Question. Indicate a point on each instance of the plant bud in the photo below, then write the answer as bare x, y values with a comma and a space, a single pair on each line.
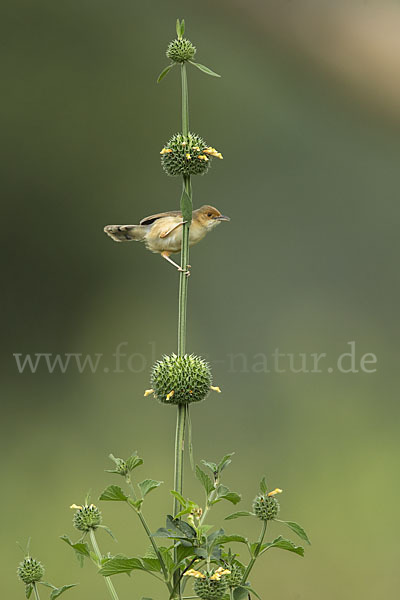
180, 50
187, 155
86, 517
30, 570
181, 379
210, 589
266, 507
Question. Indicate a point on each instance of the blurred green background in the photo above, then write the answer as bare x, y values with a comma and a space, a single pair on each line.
307, 118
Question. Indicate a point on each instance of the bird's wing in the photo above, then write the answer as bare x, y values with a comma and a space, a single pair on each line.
149, 220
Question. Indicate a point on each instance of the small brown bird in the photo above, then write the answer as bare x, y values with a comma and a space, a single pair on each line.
163, 232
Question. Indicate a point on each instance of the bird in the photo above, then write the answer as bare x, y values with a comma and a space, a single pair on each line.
162, 232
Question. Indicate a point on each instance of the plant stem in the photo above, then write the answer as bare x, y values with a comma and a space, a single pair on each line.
96, 549
148, 532
182, 313
35, 591
256, 552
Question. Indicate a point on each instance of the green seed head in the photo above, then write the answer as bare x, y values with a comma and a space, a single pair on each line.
266, 507
236, 575
180, 50
187, 155
30, 570
181, 379
210, 589
86, 517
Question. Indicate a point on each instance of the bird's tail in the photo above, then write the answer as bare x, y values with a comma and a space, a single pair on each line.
126, 233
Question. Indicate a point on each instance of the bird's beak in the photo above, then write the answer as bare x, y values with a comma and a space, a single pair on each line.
222, 218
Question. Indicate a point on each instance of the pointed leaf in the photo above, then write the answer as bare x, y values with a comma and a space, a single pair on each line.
204, 69
110, 533
178, 28
204, 480
81, 549
179, 497
121, 564
164, 72
57, 592
114, 494
237, 515
284, 544
224, 462
147, 485
226, 539
182, 27
28, 590
297, 529
151, 564
211, 465
263, 486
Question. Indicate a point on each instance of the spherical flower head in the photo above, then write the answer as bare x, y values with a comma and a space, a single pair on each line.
181, 379
266, 507
234, 579
187, 155
30, 570
180, 50
210, 587
86, 517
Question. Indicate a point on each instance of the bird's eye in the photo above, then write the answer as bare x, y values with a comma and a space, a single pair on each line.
209, 215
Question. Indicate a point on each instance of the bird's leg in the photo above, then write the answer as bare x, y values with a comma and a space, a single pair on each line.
166, 254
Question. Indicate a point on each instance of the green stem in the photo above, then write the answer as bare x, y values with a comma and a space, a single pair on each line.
96, 549
256, 552
182, 314
148, 532
35, 591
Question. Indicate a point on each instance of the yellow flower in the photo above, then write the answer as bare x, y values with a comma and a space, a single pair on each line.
76, 507
169, 396
195, 574
274, 492
165, 150
215, 388
148, 392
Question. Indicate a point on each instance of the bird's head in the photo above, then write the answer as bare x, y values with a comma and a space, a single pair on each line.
209, 217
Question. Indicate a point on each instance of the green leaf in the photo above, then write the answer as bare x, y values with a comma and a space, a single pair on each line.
121, 564
147, 485
135, 503
151, 564
226, 539
263, 486
297, 529
180, 498
224, 462
113, 494
211, 465
284, 544
178, 28
241, 593
186, 206
110, 533
134, 461
57, 592
237, 515
232, 497
204, 480
204, 69
165, 72
28, 590
182, 27
81, 548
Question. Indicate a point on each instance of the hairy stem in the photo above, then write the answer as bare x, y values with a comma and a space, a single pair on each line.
96, 549
35, 591
256, 552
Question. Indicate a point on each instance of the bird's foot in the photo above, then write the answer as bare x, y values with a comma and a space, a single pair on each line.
185, 271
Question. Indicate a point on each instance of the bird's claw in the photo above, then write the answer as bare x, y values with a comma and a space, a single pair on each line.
185, 271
